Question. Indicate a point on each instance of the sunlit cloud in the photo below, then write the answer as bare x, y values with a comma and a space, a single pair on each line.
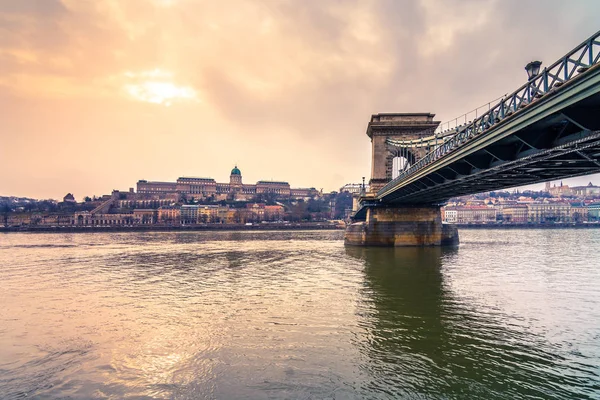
165, 3
157, 87
265, 76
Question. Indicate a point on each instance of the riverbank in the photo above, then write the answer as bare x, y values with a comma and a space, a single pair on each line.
163, 228
528, 226
260, 227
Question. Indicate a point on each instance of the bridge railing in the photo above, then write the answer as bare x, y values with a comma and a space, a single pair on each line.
577, 61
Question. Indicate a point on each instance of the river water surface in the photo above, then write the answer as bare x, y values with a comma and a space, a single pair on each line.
269, 315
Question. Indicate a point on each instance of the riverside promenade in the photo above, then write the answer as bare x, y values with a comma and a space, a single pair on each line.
176, 228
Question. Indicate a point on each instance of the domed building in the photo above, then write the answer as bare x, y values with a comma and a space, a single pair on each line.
236, 176
208, 188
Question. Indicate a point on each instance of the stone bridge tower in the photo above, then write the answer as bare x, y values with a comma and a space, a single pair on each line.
403, 126
390, 224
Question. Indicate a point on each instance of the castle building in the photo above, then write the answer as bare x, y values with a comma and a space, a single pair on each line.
202, 188
560, 190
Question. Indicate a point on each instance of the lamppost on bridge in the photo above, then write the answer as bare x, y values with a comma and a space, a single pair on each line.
533, 69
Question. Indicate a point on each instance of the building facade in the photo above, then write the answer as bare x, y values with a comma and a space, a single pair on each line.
515, 214
594, 212
354, 188
450, 215
100, 219
189, 214
584, 191
205, 188
470, 215
549, 212
169, 215
561, 190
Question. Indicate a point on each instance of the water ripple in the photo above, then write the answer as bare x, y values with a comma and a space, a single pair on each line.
296, 315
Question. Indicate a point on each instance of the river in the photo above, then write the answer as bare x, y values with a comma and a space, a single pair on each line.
269, 315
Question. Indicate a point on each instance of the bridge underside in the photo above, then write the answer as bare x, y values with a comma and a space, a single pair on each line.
560, 144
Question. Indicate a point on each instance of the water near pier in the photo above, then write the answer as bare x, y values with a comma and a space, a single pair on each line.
257, 315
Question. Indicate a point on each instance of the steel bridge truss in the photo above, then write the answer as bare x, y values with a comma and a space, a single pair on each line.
573, 155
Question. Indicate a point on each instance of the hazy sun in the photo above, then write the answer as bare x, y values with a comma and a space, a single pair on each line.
157, 87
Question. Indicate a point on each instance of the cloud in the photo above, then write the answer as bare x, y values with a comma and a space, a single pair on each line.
270, 77
38, 8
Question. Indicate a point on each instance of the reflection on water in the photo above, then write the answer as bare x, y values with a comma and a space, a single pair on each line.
297, 315
424, 339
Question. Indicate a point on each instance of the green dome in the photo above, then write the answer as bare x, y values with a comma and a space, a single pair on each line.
236, 171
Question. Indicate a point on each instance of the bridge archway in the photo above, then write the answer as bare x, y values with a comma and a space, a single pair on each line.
399, 127
397, 160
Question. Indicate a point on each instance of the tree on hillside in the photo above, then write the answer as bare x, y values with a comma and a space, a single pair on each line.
343, 201
5, 209
269, 199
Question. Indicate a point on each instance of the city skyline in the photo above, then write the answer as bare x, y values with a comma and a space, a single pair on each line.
96, 96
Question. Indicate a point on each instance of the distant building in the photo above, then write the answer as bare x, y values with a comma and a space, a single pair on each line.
589, 190
594, 212
274, 213
147, 200
548, 212
470, 215
204, 214
69, 198
169, 214
281, 189
579, 212
208, 213
145, 216
203, 188
516, 214
189, 214
561, 190
99, 219
19, 219
353, 188
144, 186
450, 215
256, 211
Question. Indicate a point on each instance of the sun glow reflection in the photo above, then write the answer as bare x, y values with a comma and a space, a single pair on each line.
157, 87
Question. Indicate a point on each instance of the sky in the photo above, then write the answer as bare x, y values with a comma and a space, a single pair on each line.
96, 95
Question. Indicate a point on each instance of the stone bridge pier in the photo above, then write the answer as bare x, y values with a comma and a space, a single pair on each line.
390, 224
402, 226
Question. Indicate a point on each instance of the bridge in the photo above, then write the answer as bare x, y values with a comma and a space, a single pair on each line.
549, 128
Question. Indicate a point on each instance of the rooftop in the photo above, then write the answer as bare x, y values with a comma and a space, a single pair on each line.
273, 182
156, 182
194, 178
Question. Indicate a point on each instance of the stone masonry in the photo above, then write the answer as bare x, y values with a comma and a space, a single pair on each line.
402, 226
399, 127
